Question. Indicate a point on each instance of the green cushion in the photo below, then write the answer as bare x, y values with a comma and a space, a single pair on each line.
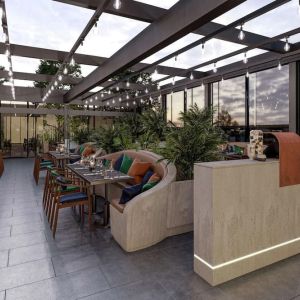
149, 186
46, 163
54, 173
81, 149
70, 189
106, 162
238, 149
126, 164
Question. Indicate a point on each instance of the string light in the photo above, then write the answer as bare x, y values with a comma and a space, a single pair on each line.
128, 84
60, 77
287, 46
7, 53
65, 71
134, 103
192, 76
127, 96
158, 87
10, 73
245, 60
127, 104
146, 91
72, 62
120, 99
136, 93
91, 100
109, 92
215, 69
113, 101
247, 74
279, 66
241, 35
55, 83
202, 48
96, 98
107, 103
117, 4
102, 95
155, 71
117, 88
173, 81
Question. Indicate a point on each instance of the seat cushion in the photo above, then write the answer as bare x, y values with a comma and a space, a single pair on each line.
129, 193
69, 188
63, 180
73, 197
153, 181
120, 207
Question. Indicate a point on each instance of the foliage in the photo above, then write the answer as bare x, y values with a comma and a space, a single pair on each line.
225, 119
78, 129
196, 141
50, 67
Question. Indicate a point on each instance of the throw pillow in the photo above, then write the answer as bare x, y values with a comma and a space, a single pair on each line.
138, 169
126, 164
129, 193
118, 163
153, 181
147, 177
81, 149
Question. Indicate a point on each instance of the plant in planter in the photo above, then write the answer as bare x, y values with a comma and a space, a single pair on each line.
197, 141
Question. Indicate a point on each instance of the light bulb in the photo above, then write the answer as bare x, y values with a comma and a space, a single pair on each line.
52, 88
65, 71
109, 92
127, 84
136, 93
134, 103
247, 74
222, 79
91, 100
7, 53
127, 104
117, 4
158, 87
117, 88
241, 35
96, 98
120, 99
287, 46
142, 100
215, 69
155, 71
72, 62
173, 82
202, 48
192, 76
96, 106
113, 101
127, 96
146, 91
10, 73
279, 66
55, 83
107, 103
86, 102
245, 60
102, 95
60, 77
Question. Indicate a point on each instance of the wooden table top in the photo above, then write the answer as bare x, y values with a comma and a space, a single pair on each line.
97, 176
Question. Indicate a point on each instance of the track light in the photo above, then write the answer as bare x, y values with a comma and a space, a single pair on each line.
245, 60
117, 4
279, 66
287, 46
241, 35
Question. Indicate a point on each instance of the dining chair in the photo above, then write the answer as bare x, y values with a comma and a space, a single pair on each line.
40, 164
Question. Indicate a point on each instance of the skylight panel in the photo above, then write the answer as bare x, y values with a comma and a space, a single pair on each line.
159, 3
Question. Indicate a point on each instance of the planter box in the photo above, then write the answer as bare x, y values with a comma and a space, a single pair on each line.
180, 204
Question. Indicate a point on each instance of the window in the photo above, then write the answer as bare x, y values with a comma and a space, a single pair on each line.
196, 96
269, 98
175, 105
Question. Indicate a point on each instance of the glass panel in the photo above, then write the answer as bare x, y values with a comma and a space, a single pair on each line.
232, 102
163, 4
177, 107
196, 96
169, 107
269, 97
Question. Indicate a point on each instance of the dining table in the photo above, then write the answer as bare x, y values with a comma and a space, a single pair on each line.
60, 159
98, 176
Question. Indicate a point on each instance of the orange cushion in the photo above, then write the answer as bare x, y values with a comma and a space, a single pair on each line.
88, 150
154, 178
138, 169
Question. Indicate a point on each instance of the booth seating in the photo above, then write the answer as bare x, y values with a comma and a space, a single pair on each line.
143, 221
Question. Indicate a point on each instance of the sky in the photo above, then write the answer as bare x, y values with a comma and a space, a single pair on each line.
54, 25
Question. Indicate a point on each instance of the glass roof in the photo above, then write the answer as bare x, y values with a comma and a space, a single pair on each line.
159, 3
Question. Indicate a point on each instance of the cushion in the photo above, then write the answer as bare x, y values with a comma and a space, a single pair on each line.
147, 177
72, 197
89, 150
81, 149
126, 164
138, 169
118, 163
106, 162
129, 193
69, 188
63, 180
46, 163
238, 150
149, 186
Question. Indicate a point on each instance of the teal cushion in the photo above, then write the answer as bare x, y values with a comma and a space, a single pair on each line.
126, 164
149, 186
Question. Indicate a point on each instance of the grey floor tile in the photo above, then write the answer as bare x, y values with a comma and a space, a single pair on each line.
22, 240
2, 295
27, 228
65, 287
3, 258
21, 220
142, 290
26, 211
211, 294
25, 273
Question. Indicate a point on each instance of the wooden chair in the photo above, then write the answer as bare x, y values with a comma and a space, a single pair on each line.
61, 200
40, 164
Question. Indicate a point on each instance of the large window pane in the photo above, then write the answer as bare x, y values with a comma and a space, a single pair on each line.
175, 105
269, 97
196, 96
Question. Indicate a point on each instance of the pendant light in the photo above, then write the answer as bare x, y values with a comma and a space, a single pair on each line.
279, 66
192, 76
287, 46
241, 35
215, 69
245, 60
117, 4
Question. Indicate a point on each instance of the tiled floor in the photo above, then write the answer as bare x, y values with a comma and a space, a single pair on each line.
84, 265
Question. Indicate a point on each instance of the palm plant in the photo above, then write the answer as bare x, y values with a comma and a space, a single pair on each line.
196, 141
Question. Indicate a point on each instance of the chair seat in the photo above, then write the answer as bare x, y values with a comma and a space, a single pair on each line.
115, 203
73, 197
46, 163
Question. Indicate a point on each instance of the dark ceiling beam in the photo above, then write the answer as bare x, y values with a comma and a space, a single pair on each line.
183, 18
55, 55
30, 94
149, 13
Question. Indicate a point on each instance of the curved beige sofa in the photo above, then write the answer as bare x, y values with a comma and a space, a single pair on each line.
142, 222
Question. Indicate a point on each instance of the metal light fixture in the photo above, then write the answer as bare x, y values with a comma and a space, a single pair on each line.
245, 60
215, 69
279, 66
241, 35
287, 46
117, 4
192, 76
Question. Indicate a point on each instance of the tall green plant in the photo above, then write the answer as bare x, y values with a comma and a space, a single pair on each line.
196, 141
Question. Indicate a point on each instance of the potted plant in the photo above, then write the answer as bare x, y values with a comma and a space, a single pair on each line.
197, 140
